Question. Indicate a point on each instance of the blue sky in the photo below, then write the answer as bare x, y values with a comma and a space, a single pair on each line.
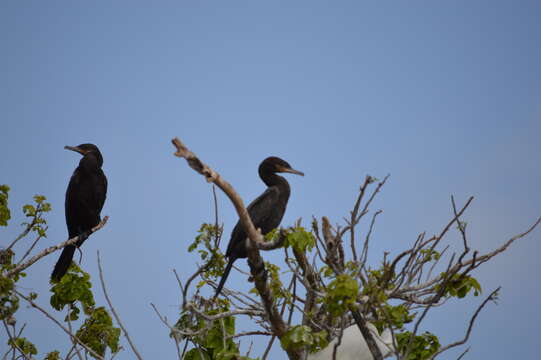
444, 96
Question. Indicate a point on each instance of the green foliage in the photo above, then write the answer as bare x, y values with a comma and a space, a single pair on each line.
98, 332
9, 302
396, 316
5, 214
6, 258
460, 286
341, 294
272, 235
73, 290
326, 271
300, 239
275, 283
211, 337
24, 345
213, 340
75, 286
423, 346
37, 223
301, 335
206, 243
53, 355
373, 288
430, 254
196, 354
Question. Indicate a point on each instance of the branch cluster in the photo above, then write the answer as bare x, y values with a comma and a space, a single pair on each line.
333, 286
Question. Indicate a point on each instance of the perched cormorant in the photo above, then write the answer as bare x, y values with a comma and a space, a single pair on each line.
84, 200
266, 211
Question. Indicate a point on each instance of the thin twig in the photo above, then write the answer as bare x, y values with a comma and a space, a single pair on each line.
73, 341
134, 349
31, 247
463, 353
248, 333
490, 297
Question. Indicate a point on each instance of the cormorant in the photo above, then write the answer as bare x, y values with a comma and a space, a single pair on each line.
84, 200
266, 211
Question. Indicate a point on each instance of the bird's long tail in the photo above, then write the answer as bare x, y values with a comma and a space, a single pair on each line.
224, 276
63, 262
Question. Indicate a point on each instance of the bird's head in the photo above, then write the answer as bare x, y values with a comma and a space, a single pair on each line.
91, 153
274, 164
83, 149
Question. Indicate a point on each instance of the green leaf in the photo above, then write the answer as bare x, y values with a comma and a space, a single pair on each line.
423, 346
196, 354
301, 335
53, 355
5, 213
460, 286
98, 332
74, 287
341, 294
300, 239
9, 302
29, 210
23, 345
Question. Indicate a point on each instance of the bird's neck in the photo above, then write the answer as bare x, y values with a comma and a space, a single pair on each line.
91, 162
272, 179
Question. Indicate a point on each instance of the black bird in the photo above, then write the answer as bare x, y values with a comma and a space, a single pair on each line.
84, 200
266, 211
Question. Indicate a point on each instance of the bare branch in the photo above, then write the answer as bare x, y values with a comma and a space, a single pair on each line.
134, 349
249, 333
463, 353
54, 248
219, 316
490, 297
31, 247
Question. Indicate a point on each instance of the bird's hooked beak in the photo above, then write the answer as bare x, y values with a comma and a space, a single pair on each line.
76, 149
291, 171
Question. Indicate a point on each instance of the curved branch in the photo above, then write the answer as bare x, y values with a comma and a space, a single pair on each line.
255, 262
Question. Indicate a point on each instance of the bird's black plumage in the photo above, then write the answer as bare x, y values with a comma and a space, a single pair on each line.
266, 211
85, 197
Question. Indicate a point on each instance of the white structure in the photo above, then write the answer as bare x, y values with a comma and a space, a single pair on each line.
354, 347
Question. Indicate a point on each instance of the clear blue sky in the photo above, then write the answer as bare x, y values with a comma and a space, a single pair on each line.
444, 96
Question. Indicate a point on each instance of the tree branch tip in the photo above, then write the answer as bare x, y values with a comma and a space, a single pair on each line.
181, 148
